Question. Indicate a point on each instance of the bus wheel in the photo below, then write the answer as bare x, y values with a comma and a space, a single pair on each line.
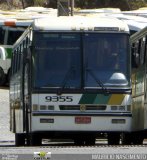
113, 139
2, 77
35, 140
79, 142
137, 139
90, 141
126, 139
19, 139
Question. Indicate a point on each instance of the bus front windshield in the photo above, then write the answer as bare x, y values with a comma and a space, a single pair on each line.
81, 60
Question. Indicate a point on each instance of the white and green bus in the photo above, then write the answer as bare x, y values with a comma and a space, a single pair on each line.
71, 80
10, 31
139, 87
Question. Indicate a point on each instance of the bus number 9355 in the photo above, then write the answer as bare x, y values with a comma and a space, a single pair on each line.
59, 98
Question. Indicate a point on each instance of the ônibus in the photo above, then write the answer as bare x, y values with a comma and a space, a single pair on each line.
139, 87
71, 80
10, 31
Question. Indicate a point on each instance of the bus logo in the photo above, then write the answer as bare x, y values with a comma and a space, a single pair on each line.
82, 108
42, 155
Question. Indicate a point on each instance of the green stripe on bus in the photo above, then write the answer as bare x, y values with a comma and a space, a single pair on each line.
87, 99
111, 99
102, 99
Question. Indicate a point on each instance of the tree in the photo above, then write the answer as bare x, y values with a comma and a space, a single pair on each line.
27, 3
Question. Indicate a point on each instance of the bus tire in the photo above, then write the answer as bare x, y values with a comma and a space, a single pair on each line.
126, 139
35, 140
2, 77
90, 141
113, 139
78, 142
19, 139
137, 139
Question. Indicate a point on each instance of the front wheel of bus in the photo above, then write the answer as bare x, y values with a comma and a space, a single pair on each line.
126, 139
19, 139
90, 141
35, 140
113, 139
2, 77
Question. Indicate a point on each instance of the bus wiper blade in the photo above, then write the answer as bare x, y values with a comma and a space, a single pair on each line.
65, 80
99, 82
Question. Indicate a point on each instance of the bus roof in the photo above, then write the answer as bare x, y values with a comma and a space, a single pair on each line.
29, 13
139, 12
136, 26
100, 10
14, 22
80, 23
138, 34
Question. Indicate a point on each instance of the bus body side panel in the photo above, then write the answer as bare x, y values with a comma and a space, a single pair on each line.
16, 110
138, 107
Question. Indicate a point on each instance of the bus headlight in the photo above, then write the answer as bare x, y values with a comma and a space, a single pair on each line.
51, 107
35, 107
121, 108
113, 108
43, 107
118, 108
128, 107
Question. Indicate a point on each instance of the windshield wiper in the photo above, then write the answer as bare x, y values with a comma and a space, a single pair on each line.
99, 82
65, 80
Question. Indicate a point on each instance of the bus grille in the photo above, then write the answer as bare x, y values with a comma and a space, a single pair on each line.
87, 107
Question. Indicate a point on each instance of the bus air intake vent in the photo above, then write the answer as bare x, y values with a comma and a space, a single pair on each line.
87, 107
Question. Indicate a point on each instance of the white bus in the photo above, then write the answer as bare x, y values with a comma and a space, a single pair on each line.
71, 79
135, 23
10, 31
12, 25
138, 43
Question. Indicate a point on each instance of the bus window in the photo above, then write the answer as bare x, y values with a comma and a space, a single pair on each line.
2, 33
13, 36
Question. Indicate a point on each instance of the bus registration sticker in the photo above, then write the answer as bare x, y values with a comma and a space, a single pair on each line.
82, 120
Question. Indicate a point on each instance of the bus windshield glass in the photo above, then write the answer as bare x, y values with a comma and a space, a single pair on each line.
57, 60
80, 60
9, 35
106, 59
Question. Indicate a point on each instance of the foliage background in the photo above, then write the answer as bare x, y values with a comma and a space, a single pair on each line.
122, 4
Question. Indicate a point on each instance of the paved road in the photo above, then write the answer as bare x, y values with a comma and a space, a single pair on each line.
6, 137
59, 151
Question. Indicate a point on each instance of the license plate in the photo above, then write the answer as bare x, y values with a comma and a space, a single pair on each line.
82, 120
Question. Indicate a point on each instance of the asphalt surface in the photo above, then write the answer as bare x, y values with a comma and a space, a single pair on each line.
6, 137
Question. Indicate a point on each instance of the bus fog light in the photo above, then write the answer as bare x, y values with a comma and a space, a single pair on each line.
118, 121
122, 108
51, 108
43, 107
114, 108
35, 107
46, 120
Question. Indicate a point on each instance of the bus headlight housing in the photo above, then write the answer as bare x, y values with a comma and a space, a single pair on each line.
118, 108
35, 107
121, 108
45, 107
